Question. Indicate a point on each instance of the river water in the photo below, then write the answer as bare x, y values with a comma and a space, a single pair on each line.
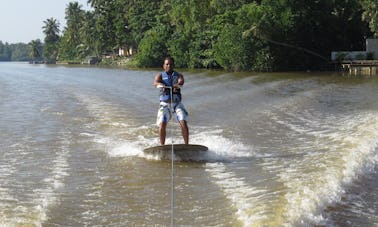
285, 149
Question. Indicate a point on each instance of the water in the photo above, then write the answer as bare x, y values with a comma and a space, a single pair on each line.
285, 149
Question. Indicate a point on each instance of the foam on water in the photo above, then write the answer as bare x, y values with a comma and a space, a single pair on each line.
122, 138
6, 170
335, 150
243, 196
31, 209
48, 195
220, 148
320, 178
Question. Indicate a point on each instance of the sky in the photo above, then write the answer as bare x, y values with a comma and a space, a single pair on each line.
22, 20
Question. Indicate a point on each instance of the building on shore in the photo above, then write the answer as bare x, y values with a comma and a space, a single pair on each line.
358, 62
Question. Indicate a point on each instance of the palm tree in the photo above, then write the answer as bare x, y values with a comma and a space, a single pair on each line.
72, 35
35, 47
51, 30
75, 18
89, 34
95, 3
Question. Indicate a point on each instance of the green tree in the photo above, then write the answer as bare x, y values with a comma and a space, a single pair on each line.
141, 16
19, 52
153, 47
89, 35
14, 52
239, 45
229, 48
105, 27
51, 30
71, 46
318, 28
188, 18
370, 15
233, 34
5, 51
122, 32
35, 48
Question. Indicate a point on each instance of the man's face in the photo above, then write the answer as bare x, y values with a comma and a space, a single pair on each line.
168, 65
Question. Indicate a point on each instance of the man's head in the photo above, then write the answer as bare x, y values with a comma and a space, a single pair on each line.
168, 64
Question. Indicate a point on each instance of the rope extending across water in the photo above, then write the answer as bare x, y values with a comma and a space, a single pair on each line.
172, 165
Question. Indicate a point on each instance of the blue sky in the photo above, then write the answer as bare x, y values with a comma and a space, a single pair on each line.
22, 20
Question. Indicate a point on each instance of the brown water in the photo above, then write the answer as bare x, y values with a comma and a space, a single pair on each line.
285, 149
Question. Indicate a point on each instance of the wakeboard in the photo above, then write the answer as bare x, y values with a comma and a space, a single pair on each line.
182, 152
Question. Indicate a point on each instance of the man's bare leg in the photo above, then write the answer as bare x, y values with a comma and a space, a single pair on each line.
185, 131
162, 132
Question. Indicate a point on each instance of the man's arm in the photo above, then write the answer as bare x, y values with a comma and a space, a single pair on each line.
180, 81
158, 81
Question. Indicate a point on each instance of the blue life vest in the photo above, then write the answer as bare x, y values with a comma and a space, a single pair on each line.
165, 93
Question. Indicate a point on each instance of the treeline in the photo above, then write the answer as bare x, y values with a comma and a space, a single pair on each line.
231, 34
14, 52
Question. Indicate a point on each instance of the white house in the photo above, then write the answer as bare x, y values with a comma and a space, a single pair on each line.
371, 52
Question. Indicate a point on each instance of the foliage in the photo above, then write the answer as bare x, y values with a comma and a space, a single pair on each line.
229, 48
141, 16
14, 52
35, 47
370, 14
89, 33
230, 34
20, 52
5, 52
320, 27
71, 44
153, 47
51, 30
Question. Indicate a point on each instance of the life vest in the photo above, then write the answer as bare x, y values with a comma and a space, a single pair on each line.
165, 93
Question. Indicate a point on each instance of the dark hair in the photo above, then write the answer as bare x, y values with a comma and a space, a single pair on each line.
169, 58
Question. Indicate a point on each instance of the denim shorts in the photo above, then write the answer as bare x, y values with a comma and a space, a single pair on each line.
165, 114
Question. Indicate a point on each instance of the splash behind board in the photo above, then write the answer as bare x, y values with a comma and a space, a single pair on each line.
182, 152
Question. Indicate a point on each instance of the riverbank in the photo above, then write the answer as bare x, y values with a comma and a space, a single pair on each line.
124, 62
